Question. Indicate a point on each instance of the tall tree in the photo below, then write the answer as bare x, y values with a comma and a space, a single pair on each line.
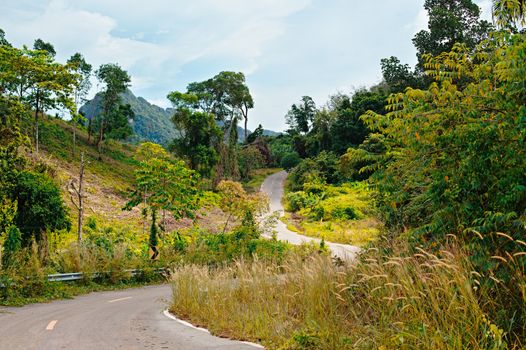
399, 76
77, 190
41, 45
3, 40
82, 69
450, 22
50, 84
115, 81
227, 98
300, 116
200, 134
509, 12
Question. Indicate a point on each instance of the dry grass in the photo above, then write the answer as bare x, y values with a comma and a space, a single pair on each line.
420, 301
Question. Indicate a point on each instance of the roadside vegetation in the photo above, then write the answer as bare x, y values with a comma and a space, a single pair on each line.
437, 154
75, 196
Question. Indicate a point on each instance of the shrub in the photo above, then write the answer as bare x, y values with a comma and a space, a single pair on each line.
290, 160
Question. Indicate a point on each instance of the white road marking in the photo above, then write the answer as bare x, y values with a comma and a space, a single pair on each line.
120, 299
187, 324
51, 325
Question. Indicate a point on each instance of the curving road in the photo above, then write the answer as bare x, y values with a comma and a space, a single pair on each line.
273, 186
130, 319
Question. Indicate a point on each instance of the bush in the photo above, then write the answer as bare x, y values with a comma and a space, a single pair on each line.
40, 207
290, 160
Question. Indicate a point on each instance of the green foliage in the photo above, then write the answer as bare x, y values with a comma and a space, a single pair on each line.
324, 167
216, 249
457, 162
12, 245
163, 184
399, 76
225, 98
279, 147
118, 126
199, 138
509, 12
40, 207
249, 159
290, 160
360, 163
450, 22
255, 134
115, 81
300, 116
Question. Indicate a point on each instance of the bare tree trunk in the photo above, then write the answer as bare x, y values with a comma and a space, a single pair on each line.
36, 133
81, 198
79, 194
37, 142
246, 134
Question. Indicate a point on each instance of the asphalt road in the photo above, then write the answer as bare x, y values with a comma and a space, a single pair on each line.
129, 319
273, 186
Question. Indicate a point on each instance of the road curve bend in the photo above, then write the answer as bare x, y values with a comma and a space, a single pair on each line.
273, 186
129, 319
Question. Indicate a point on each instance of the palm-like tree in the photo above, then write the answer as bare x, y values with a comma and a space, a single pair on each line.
509, 12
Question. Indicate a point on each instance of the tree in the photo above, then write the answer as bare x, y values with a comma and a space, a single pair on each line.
200, 134
348, 130
300, 116
115, 81
509, 12
118, 125
50, 83
250, 158
238, 204
3, 40
163, 183
78, 191
320, 136
450, 22
41, 45
255, 134
458, 166
399, 76
82, 69
40, 208
227, 98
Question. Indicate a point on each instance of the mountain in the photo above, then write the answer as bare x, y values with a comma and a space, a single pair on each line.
152, 123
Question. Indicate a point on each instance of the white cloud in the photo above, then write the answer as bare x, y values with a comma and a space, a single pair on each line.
287, 48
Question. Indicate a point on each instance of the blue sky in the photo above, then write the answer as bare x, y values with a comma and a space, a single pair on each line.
286, 48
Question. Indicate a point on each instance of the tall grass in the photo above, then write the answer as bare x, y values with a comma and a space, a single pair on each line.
418, 301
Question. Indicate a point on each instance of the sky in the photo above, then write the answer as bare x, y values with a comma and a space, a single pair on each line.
286, 48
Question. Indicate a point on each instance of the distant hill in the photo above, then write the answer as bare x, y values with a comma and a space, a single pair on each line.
152, 123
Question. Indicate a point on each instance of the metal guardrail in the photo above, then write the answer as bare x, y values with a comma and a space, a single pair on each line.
77, 276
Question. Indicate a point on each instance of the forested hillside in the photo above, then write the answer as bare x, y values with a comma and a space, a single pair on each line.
151, 123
